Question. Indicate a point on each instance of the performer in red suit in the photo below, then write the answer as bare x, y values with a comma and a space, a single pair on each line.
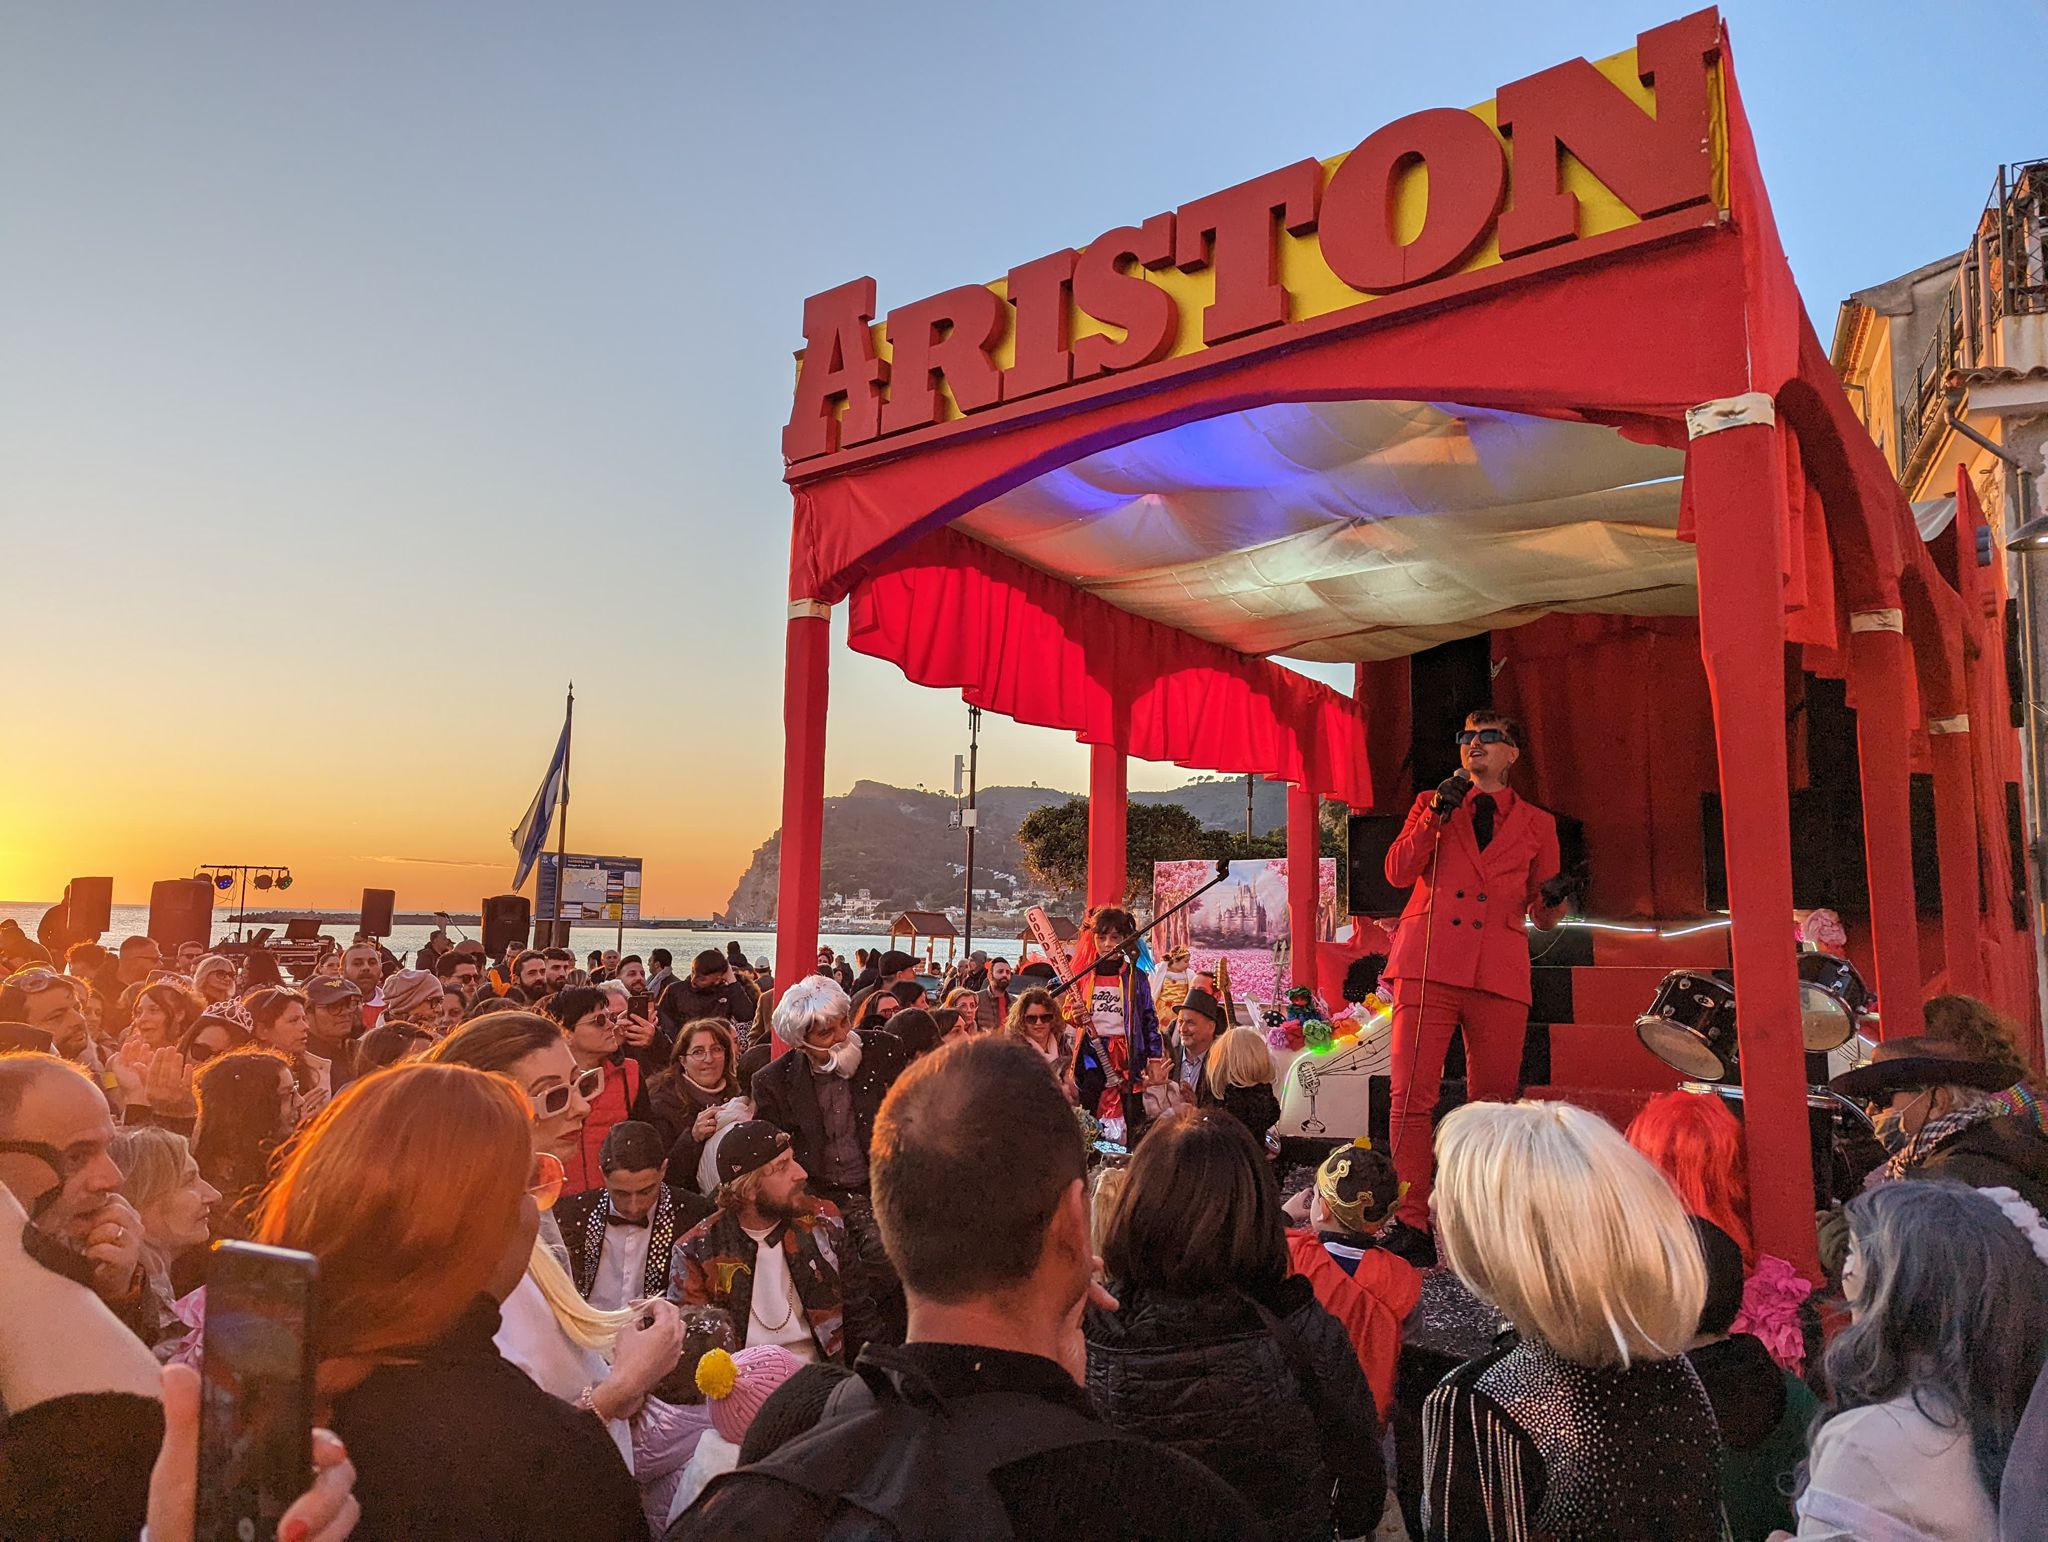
1481, 860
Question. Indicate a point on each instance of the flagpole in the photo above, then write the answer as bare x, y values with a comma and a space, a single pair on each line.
562, 830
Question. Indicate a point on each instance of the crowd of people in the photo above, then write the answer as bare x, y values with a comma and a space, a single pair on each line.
609, 1249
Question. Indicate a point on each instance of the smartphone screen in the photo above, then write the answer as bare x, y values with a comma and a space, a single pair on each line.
637, 1003
256, 1390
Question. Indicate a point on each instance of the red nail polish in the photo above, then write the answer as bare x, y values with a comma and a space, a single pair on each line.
292, 1531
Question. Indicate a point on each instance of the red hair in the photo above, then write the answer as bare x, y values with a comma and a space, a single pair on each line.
1692, 1139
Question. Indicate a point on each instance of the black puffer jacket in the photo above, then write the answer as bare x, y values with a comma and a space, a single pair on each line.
1208, 1377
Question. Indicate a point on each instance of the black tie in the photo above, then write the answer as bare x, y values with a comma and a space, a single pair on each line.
615, 1219
1482, 818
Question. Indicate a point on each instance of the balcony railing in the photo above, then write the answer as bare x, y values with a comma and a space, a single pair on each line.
2004, 273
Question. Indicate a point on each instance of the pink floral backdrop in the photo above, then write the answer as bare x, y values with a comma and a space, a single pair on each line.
1244, 919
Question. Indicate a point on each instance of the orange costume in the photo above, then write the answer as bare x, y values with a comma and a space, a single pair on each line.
1475, 955
1371, 1303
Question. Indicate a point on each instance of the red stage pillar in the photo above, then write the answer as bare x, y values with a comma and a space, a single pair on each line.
1735, 475
1108, 794
1955, 834
1877, 670
808, 651
1303, 853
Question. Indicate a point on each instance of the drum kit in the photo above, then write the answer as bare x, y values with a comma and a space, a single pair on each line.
1691, 1028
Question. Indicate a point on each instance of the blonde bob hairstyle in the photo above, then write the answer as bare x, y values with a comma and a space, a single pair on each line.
1547, 1213
1240, 1059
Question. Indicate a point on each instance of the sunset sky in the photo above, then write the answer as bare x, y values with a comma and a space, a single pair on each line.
375, 368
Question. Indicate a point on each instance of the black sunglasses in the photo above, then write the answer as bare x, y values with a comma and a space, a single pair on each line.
1484, 736
555, 1100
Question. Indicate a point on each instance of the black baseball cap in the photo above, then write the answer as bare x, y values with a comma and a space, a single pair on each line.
327, 991
747, 1146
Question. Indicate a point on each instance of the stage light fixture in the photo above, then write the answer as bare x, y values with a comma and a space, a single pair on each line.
224, 881
284, 880
262, 880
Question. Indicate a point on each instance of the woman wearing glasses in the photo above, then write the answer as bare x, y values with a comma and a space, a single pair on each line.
684, 1097
447, 1437
606, 1362
1481, 860
1035, 1019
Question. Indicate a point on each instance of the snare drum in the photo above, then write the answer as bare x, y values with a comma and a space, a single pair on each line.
1691, 1025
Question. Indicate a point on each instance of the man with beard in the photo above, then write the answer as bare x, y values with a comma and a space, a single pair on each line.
43, 1010
334, 1021
56, 1137
363, 967
771, 1257
994, 1010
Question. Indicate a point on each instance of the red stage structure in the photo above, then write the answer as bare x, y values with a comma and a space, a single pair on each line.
1536, 369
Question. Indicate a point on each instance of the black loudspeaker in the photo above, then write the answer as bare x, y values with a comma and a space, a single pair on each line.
377, 905
507, 920
180, 911
1369, 893
88, 907
1445, 683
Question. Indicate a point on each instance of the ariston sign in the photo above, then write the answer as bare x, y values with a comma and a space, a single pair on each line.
1566, 163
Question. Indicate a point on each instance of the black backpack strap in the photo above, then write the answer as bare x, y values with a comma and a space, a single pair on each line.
891, 1449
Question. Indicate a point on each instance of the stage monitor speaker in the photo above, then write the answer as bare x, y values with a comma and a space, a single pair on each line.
180, 911
377, 905
88, 907
507, 920
1369, 893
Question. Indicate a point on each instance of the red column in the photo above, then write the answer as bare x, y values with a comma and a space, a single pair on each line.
1303, 858
804, 688
1955, 834
1108, 794
1877, 670
1736, 478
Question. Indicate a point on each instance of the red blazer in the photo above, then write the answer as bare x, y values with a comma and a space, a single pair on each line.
1481, 897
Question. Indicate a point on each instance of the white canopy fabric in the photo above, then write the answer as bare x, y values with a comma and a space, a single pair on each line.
1339, 531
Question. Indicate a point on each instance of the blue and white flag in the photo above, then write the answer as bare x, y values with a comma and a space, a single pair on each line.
531, 834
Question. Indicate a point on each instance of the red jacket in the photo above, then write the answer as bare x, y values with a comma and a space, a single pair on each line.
1481, 898
1371, 1304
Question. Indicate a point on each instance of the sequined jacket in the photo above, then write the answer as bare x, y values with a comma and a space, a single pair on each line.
714, 1266
584, 1218
1522, 1445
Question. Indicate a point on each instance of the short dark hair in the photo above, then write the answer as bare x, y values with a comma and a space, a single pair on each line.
895, 961
710, 961
84, 955
137, 939
446, 965
572, 1003
523, 956
908, 992
631, 958
661, 958
974, 1149
1113, 916
631, 1145
560, 956
1199, 1210
1487, 717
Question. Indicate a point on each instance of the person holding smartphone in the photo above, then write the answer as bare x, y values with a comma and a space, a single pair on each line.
449, 1438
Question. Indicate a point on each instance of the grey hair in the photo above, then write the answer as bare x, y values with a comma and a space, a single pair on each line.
1953, 1310
813, 1002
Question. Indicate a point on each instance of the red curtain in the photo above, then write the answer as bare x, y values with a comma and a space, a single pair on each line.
954, 613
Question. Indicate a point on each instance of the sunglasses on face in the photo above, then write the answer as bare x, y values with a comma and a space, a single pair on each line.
555, 1101
545, 1181
1484, 736
1039, 1017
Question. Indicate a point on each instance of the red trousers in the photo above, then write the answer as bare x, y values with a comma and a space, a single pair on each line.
1494, 1028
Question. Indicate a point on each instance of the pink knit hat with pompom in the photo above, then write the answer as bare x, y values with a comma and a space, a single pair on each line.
737, 1385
